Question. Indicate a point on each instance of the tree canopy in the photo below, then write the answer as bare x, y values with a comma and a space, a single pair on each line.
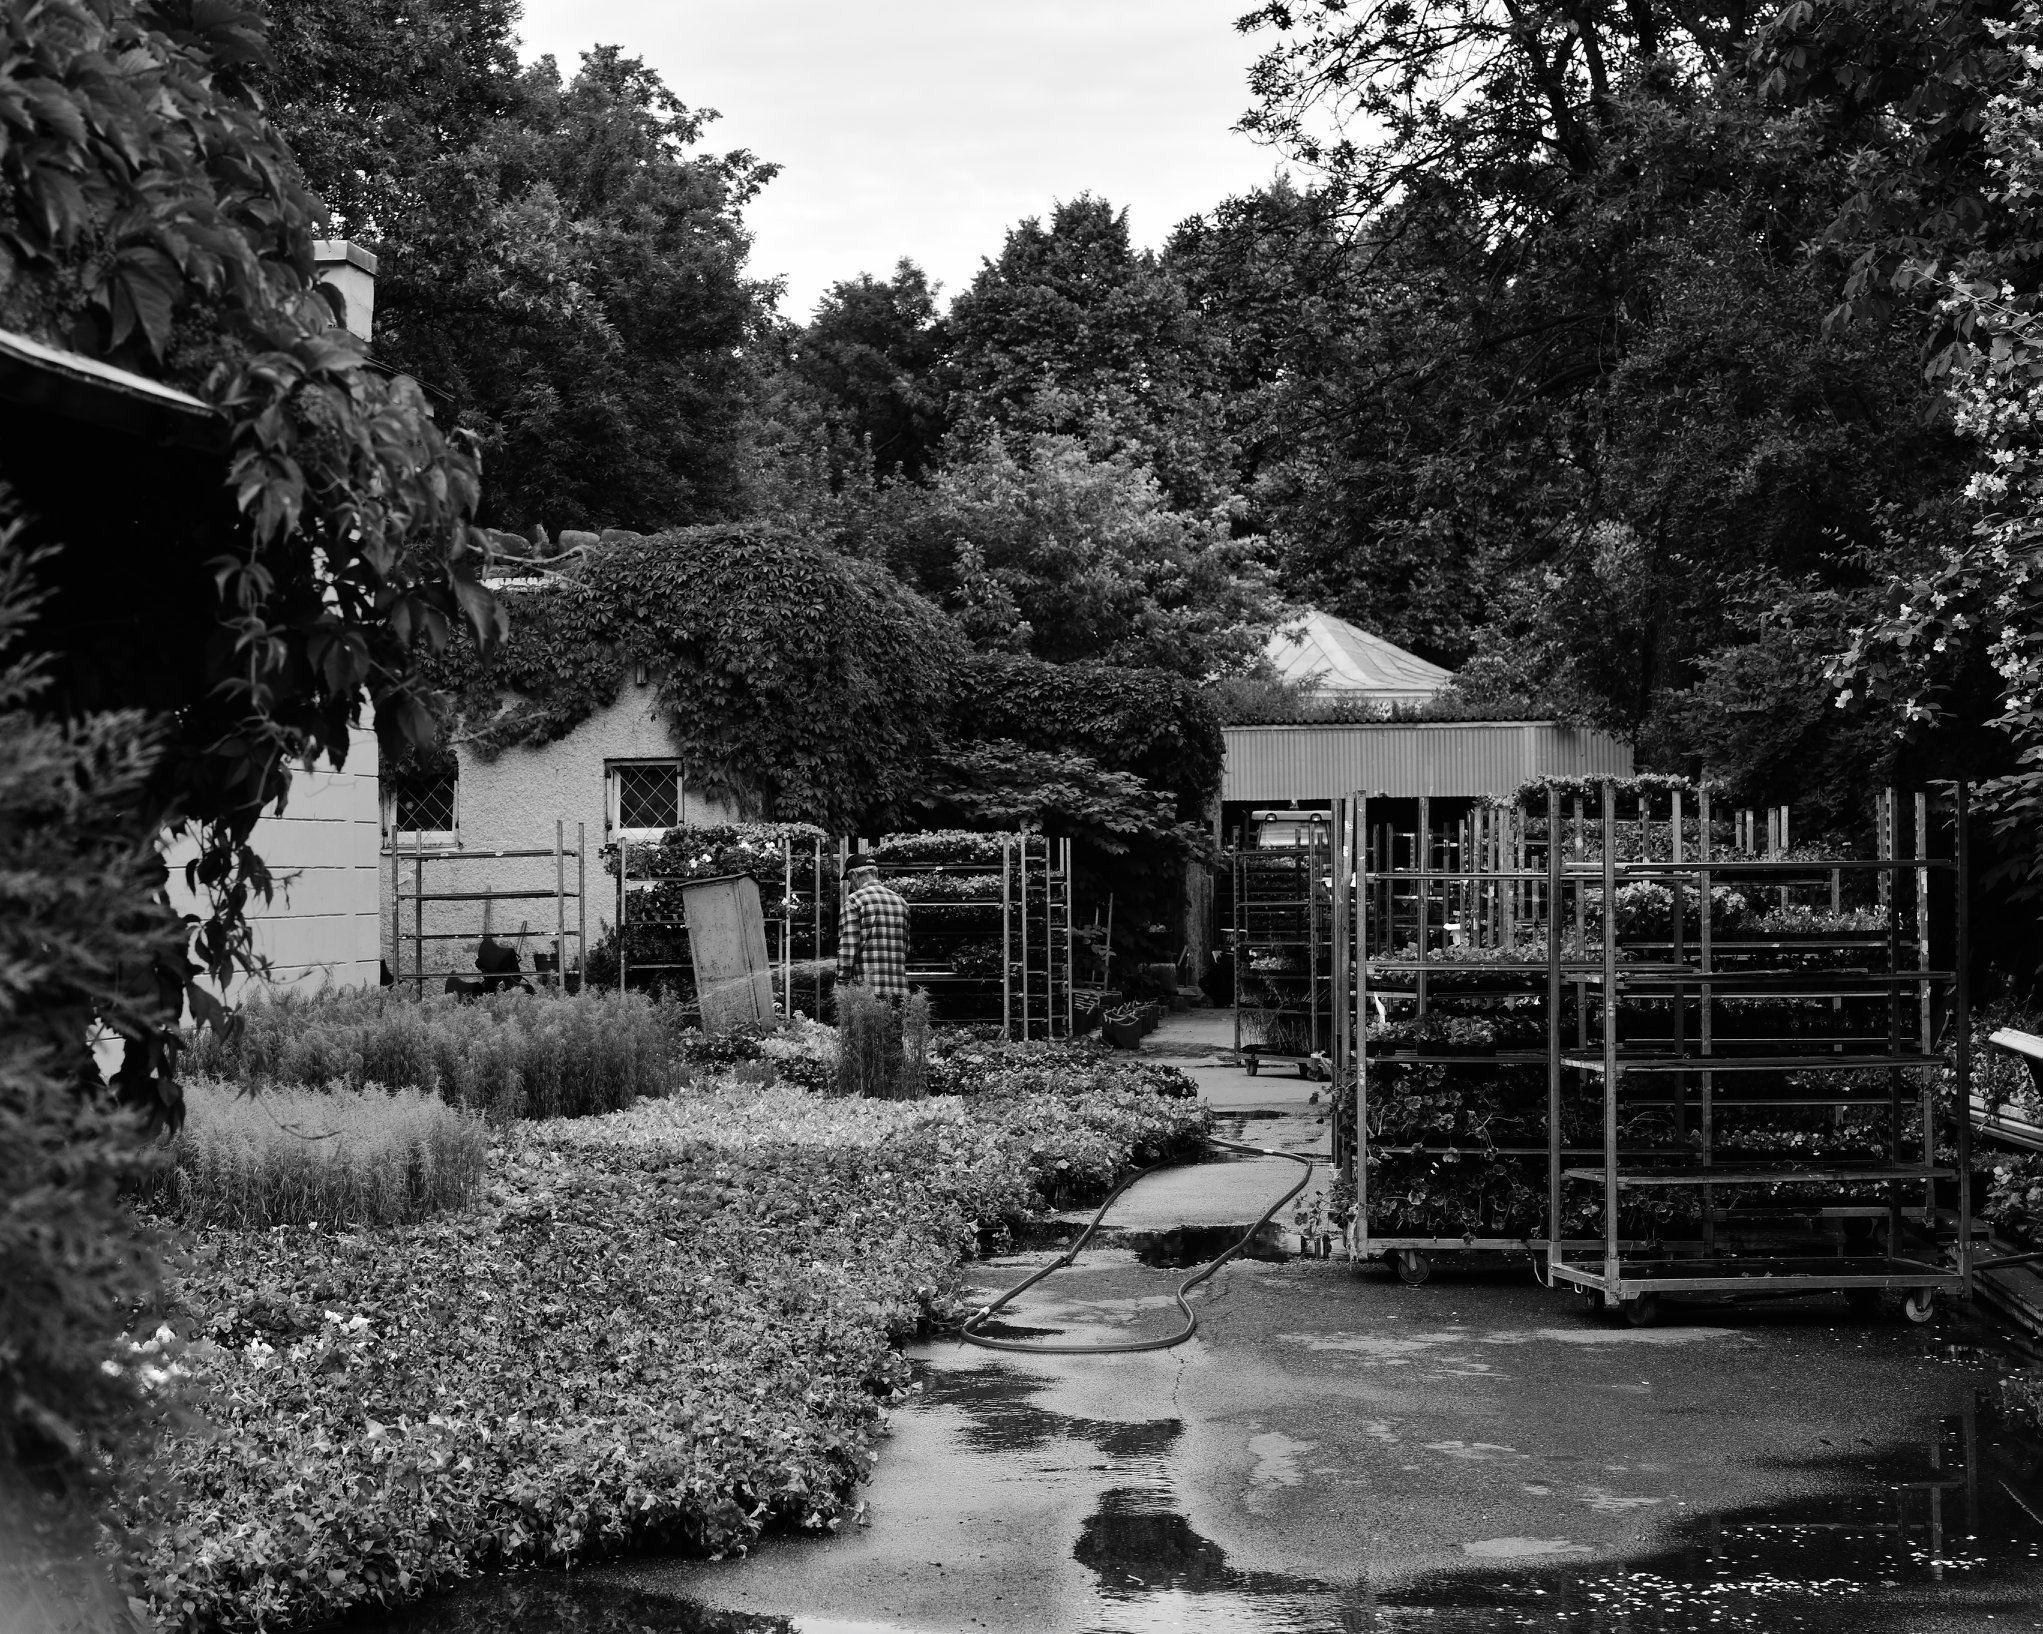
558, 257
874, 355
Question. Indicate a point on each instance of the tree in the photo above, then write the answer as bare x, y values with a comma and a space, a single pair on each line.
1975, 605
151, 218
1073, 332
874, 353
558, 259
1497, 100
1582, 430
1058, 553
1385, 449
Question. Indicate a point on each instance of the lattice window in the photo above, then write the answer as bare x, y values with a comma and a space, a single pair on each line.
647, 795
426, 805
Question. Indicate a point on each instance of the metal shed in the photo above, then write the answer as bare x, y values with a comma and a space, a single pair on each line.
1314, 763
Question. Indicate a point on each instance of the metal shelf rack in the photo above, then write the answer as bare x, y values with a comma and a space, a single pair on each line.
1036, 933
1475, 882
1283, 948
796, 919
1664, 1008
560, 893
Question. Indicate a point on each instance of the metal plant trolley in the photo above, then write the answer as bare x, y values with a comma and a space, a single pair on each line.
560, 893
1452, 911
1036, 997
1283, 946
1833, 1005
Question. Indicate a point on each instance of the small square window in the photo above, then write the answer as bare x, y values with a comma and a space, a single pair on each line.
646, 796
425, 805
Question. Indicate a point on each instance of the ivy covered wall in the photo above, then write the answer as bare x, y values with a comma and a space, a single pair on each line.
792, 680
796, 683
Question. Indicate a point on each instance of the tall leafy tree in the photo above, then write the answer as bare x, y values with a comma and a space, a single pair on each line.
874, 354
1072, 331
152, 218
559, 258
1583, 431
1043, 547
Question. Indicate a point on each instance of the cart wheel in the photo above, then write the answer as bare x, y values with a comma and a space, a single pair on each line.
1920, 1306
1413, 1267
1863, 1301
1640, 1312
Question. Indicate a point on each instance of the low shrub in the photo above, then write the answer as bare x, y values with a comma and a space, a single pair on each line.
963, 1062
669, 1326
295, 1156
506, 1054
2015, 1195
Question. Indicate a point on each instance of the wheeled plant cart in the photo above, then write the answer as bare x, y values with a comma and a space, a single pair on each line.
1283, 947
1795, 1069
1461, 1010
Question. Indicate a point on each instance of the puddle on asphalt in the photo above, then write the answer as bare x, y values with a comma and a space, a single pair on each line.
1177, 1249
1926, 1537
1187, 1246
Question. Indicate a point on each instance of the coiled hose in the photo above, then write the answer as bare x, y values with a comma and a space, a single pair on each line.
986, 1313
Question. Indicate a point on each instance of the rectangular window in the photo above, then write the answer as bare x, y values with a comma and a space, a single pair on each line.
427, 808
645, 796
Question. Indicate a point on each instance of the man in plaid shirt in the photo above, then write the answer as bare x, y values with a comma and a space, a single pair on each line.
872, 948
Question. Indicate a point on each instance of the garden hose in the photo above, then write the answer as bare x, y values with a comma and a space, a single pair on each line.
1127, 1346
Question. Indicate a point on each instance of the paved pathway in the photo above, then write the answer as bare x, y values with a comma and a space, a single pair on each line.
1334, 1450
1281, 1112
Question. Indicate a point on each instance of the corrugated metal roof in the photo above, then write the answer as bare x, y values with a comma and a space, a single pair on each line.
1343, 661
1270, 765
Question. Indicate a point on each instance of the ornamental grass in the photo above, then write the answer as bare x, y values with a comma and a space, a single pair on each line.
882, 1051
506, 1055
279, 1157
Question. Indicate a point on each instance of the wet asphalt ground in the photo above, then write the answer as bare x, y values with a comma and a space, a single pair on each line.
1335, 1450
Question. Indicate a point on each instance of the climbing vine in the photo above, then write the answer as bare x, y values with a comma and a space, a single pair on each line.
792, 679
151, 217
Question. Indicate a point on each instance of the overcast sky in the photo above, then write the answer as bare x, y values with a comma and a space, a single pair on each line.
926, 128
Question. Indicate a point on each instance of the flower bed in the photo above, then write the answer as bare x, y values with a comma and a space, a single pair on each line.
668, 1326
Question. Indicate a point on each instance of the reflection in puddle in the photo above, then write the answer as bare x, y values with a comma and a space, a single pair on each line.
556, 1603
1523, 1549
1142, 1550
1941, 1535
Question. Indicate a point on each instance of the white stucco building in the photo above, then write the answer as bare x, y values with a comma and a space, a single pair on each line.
614, 776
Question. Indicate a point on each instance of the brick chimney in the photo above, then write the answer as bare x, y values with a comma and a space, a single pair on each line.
348, 274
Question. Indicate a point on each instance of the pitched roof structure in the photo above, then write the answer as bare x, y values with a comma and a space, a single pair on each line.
1346, 662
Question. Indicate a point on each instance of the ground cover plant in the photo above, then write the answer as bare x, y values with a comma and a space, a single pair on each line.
305, 1156
670, 1325
506, 1055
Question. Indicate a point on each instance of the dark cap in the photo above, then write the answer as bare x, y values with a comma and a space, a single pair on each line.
860, 859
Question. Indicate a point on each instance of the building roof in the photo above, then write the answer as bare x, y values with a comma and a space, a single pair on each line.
37, 376
1346, 662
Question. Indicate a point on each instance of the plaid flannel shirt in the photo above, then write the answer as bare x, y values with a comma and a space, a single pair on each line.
872, 949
